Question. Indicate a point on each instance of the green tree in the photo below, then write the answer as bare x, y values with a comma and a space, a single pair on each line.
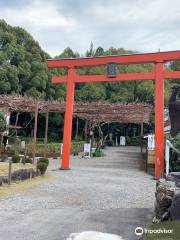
23, 64
2, 122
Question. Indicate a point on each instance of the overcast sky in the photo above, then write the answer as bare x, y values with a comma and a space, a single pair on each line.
142, 25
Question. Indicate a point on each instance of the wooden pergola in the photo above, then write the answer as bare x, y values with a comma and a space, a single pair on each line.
95, 112
105, 112
14, 103
113, 112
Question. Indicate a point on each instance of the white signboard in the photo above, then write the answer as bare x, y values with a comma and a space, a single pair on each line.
87, 149
23, 144
61, 148
151, 142
122, 141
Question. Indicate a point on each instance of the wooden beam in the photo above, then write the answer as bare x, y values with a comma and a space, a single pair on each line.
77, 128
122, 59
46, 134
61, 79
35, 131
120, 77
142, 130
104, 78
86, 130
171, 74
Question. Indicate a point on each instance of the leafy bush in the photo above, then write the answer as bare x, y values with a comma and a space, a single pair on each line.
11, 152
175, 141
98, 153
26, 160
174, 162
2, 122
132, 141
110, 142
16, 158
52, 148
42, 167
174, 157
44, 160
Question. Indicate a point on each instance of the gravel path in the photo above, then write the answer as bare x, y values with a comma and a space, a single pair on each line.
110, 194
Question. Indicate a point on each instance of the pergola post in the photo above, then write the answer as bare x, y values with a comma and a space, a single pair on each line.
116, 141
68, 119
1, 143
46, 134
159, 120
86, 130
77, 129
35, 131
142, 130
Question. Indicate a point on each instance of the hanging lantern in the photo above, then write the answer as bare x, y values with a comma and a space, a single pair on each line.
111, 69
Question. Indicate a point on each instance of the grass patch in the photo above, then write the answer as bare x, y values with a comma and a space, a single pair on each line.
20, 186
15, 166
174, 225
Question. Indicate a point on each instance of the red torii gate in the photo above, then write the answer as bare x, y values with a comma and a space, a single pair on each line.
158, 74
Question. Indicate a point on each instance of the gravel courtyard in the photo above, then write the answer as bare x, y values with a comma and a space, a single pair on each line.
110, 194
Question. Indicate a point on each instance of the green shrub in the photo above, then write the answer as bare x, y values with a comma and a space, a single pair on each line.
52, 148
27, 160
110, 143
44, 160
16, 158
98, 153
132, 141
2, 122
174, 157
42, 167
11, 152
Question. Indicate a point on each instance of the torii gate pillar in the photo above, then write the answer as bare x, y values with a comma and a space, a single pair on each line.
159, 119
158, 75
68, 119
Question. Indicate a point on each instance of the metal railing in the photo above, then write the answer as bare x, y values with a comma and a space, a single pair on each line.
169, 146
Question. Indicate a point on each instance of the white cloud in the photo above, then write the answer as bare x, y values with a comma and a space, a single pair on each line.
38, 13
141, 25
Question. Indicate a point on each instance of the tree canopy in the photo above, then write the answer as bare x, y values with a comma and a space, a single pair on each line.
24, 70
23, 65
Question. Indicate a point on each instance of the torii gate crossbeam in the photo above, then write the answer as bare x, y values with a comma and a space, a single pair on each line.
158, 74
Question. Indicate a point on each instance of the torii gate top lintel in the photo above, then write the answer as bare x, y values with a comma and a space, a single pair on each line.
158, 74
136, 58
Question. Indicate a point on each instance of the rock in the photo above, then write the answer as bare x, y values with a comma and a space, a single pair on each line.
178, 184
90, 235
20, 175
175, 206
5, 179
164, 195
23, 174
